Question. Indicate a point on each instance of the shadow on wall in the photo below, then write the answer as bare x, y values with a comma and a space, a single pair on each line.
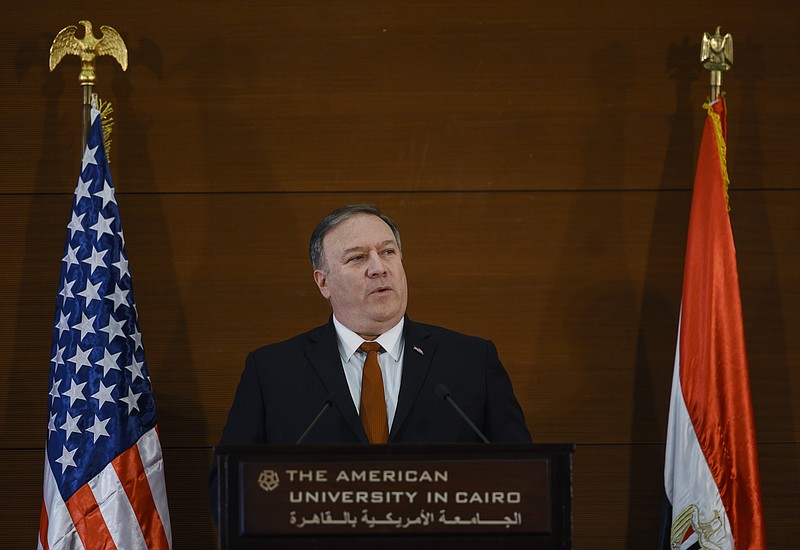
658, 329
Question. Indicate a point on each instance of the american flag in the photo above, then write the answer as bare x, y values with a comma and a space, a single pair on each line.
103, 471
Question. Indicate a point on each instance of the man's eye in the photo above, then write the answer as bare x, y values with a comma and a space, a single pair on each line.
389, 251
356, 258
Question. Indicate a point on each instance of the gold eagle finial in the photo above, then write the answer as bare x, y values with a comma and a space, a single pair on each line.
717, 51
87, 48
716, 54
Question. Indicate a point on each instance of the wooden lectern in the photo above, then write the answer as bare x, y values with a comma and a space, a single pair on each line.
395, 496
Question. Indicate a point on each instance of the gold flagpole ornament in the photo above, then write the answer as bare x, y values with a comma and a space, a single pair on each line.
88, 48
716, 54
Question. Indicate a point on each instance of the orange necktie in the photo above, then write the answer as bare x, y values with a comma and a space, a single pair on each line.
373, 402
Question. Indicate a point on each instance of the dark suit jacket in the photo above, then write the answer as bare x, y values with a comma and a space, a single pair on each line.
285, 385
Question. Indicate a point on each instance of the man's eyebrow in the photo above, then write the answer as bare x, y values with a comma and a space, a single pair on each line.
363, 248
347, 251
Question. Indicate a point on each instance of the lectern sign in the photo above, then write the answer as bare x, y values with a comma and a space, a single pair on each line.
394, 497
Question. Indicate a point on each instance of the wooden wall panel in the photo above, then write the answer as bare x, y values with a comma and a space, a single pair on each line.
780, 479
318, 96
537, 157
21, 496
589, 317
216, 276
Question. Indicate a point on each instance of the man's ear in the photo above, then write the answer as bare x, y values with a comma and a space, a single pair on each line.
322, 283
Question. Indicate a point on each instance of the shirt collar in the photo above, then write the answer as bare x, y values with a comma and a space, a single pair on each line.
349, 341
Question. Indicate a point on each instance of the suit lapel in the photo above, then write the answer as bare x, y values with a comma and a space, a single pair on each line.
323, 353
417, 355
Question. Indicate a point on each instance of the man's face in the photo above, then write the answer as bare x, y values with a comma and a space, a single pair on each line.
363, 276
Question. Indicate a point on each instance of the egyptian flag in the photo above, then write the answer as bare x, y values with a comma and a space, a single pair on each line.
711, 473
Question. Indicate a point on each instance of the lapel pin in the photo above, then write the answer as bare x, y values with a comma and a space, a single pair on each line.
418, 350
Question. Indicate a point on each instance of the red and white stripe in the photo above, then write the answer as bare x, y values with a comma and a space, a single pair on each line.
687, 476
124, 506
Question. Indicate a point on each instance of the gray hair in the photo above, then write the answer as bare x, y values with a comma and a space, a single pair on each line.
336, 217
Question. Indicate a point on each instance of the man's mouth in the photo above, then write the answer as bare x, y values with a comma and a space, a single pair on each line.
381, 290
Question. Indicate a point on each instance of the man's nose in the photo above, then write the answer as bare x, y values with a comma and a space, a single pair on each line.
376, 266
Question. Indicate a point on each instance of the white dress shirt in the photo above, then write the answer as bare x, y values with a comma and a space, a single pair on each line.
390, 360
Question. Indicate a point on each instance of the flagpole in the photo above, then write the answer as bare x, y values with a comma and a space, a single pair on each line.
716, 54
86, 114
88, 48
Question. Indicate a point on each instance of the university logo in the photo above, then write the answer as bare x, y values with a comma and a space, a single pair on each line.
269, 480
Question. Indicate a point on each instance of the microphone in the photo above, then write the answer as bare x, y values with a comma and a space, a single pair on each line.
328, 404
444, 393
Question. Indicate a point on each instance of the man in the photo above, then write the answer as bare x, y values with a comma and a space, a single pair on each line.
389, 398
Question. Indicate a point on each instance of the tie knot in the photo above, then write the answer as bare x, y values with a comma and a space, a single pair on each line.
369, 346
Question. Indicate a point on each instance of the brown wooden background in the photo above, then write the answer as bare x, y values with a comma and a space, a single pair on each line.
537, 156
